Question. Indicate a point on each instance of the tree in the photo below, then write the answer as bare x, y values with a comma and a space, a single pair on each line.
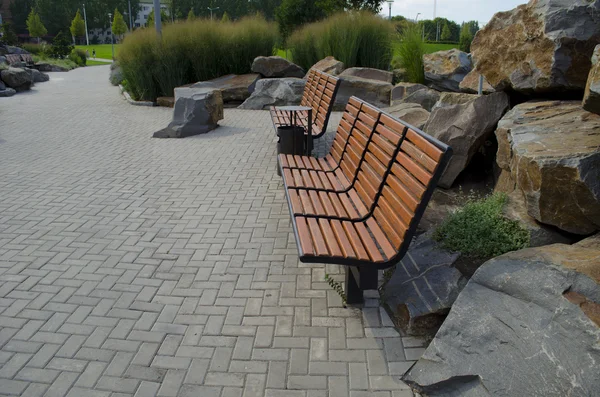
191, 16
119, 27
293, 13
8, 34
20, 11
35, 26
163, 17
446, 33
225, 17
465, 38
77, 26
61, 46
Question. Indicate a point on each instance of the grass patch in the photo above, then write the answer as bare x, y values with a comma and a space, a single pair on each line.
480, 230
410, 54
65, 63
91, 62
358, 39
103, 51
435, 47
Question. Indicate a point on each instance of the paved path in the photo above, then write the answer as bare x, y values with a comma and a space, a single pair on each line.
137, 266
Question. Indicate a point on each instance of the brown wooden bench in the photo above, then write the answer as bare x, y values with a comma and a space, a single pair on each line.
396, 178
319, 94
28, 59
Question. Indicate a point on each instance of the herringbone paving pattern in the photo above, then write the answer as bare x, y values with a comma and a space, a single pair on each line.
137, 266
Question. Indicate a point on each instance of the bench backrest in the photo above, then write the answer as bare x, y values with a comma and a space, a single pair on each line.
319, 94
13, 58
27, 58
410, 182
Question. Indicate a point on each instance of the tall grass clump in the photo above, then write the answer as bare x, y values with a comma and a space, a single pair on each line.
358, 39
191, 51
410, 52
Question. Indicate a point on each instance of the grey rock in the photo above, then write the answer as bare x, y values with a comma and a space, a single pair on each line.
197, 111
369, 73
116, 74
3, 60
2, 85
539, 47
400, 76
423, 287
275, 92
402, 90
7, 92
550, 151
525, 325
15, 50
46, 67
411, 113
275, 66
329, 65
375, 92
233, 87
470, 84
17, 78
465, 127
591, 97
39, 77
444, 70
427, 98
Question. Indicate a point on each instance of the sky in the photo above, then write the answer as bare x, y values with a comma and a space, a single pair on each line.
455, 10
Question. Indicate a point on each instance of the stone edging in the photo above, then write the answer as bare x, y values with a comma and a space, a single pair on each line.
132, 101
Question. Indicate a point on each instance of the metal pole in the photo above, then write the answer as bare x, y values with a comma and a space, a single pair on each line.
390, 4
157, 17
130, 23
112, 37
87, 37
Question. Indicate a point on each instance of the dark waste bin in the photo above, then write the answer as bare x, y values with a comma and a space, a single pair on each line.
290, 141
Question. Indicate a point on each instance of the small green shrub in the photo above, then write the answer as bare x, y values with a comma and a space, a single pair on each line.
480, 230
410, 52
61, 46
192, 51
359, 39
35, 49
78, 56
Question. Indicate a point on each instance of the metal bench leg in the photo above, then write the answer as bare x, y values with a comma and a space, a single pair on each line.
358, 280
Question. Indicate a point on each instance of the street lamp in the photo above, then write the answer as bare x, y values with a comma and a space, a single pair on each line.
417, 18
112, 38
211, 11
157, 17
87, 37
130, 22
390, 6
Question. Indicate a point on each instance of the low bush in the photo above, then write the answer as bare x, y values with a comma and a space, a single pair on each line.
36, 49
359, 39
78, 56
192, 51
410, 51
480, 230
61, 46
65, 63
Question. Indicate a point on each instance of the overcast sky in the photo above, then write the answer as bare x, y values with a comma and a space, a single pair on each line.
456, 10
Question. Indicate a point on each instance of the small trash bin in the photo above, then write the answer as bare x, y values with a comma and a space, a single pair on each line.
290, 141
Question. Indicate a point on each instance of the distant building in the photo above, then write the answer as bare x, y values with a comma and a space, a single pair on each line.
5, 14
146, 7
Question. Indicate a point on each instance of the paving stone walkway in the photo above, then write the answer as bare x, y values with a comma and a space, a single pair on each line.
137, 266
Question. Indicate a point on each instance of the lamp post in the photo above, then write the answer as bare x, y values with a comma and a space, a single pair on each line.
157, 17
87, 37
130, 21
417, 18
112, 38
390, 7
211, 11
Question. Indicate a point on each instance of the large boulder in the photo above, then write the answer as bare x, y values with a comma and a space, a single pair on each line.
275, 92
411, 113
375, 92
591, 97
550, 151
39, 77
233, 87
470, 84
329, 65
275, 66
197, 111
16, 50
464, 124
46, 67
427, 98
542, 46
402, 90
526, 324
6, 91
17, 78
444, 70
369, 73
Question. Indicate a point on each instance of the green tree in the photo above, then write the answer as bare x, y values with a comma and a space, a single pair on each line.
294, 13
446, 33
20, 12
191, 16
163, 17
8, 34
119, 27
465, 38
77, 26
225, 17
35, 26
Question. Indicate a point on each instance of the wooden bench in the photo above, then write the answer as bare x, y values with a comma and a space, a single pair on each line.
28, 59
395, 180
319, 94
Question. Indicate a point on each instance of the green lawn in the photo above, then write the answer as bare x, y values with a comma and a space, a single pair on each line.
91, 62
103, 51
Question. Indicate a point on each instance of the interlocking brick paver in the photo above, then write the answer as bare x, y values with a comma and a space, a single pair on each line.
138, 266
